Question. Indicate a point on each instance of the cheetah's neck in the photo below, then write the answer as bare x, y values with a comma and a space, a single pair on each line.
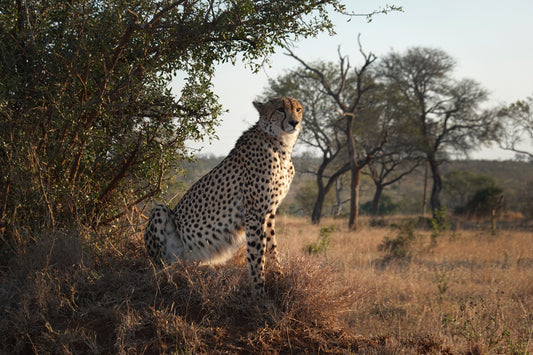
284, 141
288, 141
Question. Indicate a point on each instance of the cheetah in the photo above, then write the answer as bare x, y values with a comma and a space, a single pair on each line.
236, 202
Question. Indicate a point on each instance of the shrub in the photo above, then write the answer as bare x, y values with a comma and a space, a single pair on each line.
482, 202
88, 121
323, 242
386, 207
460, 186
439, 224
402, 246
471, 194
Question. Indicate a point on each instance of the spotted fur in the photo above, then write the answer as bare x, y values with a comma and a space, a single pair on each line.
236, 201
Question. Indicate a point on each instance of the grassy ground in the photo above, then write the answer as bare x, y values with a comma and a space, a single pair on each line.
463, 292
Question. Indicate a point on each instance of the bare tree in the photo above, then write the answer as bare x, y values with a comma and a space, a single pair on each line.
385, 114
388, 169
347, 102
448, 114
321, 131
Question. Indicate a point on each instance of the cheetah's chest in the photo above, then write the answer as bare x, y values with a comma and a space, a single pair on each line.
267, 175
281, 174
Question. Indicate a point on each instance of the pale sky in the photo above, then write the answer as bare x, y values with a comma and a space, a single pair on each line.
491, 41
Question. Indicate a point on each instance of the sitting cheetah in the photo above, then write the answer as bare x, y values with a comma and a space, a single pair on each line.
236, 201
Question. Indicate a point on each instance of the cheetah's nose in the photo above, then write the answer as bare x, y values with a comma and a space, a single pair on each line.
293, 123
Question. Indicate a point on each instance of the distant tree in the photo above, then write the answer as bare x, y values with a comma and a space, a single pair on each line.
306, 196
385, 113
525, 203
88, 122
484, 202
517, 133
460, 186
322, 131
447, 111
347, 92
387, 206
388, 169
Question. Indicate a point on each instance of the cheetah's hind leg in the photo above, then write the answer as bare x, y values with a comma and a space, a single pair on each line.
160, 238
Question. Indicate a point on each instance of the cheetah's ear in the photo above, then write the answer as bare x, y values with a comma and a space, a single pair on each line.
259, 106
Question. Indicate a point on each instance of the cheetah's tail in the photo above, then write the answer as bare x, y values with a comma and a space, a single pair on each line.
160, 228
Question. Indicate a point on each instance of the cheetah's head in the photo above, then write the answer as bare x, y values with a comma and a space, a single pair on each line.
280, 116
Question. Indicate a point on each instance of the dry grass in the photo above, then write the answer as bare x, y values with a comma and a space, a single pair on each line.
472, 293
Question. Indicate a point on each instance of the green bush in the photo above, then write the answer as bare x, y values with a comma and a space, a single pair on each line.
401, 247
439, 224
483, 201
88, 121
323, 242
386, 207
471, 194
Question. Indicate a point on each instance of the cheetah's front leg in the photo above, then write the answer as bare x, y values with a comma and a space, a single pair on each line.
255, 252
271, 243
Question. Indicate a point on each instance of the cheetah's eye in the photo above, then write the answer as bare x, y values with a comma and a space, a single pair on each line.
299, 109
281, 109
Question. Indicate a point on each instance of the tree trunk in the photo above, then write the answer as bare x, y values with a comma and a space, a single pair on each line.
437, 186
377, 199
356, 176
338, 189
323, 190
425, 195
319, 203
354, 199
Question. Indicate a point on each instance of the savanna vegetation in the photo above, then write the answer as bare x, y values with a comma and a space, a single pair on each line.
90, 135
383, 290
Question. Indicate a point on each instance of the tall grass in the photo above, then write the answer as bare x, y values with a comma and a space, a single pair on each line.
471, 293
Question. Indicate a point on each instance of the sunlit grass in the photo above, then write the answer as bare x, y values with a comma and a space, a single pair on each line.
470, 292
